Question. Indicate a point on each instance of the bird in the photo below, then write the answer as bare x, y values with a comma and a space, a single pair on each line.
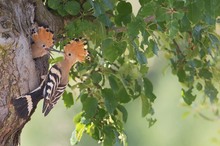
54, 83
42, 42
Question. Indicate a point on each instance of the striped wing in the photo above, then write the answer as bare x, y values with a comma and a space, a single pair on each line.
51, 88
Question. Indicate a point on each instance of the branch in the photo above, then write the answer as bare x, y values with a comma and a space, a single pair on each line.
44, 17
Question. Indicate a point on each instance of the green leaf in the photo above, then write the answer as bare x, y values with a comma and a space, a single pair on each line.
146, 106
72, 7
109, 4
134, 28
187, 96
77, 134
148, 90
141, 57
68, 99
113, 83
162, 15
214, 39
124, 8
196, 63
87, 6
155, 48
96, 77
199, 86
109, 52
90, 106
98, 9
71, 28
147, 10
178, 15
195, 12
121, 47
61, 10
77, 118
110, 100
83, 97
197, 32
109, 138
173, 28
205, 73
211, 91
185, 24
124, 13
54, 4
124, 112
122, 19
105, 20
73, 139
94, 133
112, 50
101, 114
58, 59
119, 89
142, 2
181, 75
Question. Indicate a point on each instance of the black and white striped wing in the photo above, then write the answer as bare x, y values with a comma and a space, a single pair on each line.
51, 86
60, 90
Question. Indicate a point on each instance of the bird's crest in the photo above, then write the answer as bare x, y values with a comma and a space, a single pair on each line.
78, 47
43, 37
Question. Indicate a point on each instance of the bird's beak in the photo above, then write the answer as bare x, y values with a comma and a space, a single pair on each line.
54, 50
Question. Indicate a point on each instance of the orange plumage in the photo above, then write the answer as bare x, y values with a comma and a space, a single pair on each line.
42, 42
78, 48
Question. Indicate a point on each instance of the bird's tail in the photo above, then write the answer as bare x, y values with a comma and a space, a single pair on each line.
25, 104
48, 105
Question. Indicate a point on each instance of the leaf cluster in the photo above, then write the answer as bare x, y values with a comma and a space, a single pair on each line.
121, 44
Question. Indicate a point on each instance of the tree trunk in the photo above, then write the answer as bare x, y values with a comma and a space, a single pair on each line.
19, 73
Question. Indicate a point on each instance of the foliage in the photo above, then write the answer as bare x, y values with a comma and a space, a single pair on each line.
121, 44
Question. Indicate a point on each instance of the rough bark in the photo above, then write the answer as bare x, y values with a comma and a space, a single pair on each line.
19, 73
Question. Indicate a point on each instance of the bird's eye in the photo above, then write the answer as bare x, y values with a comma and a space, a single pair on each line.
69, 54
44, 46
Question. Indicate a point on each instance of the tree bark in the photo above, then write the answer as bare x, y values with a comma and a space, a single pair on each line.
19, 73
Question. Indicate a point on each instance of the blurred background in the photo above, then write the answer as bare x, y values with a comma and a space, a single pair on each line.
176, 125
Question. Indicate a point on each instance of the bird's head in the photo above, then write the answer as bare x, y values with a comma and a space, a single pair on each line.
76, 50
42, 41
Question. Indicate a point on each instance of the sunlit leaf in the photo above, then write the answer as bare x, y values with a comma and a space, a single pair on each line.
77, 134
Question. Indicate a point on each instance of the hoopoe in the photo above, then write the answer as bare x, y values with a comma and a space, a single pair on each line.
42, 42
55, 82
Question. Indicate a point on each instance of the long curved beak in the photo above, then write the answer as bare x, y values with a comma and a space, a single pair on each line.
52, 49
